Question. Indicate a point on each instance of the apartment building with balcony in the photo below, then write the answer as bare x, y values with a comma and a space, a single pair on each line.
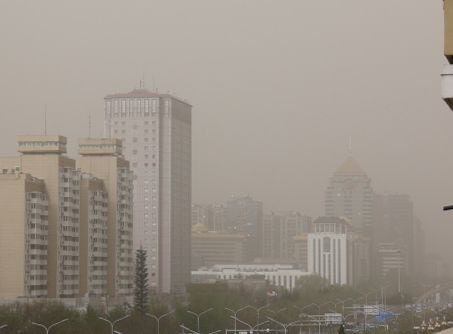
23, 236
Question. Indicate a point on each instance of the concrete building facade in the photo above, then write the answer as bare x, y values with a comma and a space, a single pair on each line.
277, 275
23, 236
156, 134
279, 230
212, 247
93, 253
336, 253
43, 157
394, 230
245, 215
101, 157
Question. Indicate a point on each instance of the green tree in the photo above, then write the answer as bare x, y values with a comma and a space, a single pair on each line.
141, 282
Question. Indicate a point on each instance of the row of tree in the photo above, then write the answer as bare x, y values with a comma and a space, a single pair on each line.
217, 298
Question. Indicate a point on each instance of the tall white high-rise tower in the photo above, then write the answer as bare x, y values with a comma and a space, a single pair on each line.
156, 133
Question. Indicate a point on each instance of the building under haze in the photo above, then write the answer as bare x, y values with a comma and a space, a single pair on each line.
279, 231
215, 247
71, 228
102, 158
43, 157
93, 252
23, 235
156, 134
349, 194
212, 216
337, 253
245, 215
396, 233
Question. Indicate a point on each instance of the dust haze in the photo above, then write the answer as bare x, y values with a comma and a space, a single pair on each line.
277, 87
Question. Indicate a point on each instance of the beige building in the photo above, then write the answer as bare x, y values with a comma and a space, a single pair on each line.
101, 157
42, 157
93, 237
301, 250
23, 236
210, 247
279, 230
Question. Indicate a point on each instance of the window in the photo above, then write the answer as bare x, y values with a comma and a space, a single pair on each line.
326, 244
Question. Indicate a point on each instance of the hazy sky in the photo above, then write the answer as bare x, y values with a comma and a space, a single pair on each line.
277, 88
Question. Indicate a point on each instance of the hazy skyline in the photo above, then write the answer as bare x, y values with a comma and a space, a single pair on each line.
277, 88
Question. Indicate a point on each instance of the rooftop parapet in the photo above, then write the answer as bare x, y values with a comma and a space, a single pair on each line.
100, 146
41, 144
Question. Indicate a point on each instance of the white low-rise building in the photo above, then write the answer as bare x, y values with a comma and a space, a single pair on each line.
284, 276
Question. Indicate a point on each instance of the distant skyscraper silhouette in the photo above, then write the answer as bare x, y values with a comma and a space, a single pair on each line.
349, 195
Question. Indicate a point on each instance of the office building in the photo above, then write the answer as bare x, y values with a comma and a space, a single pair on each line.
277, 275
101, 157
156, 135
395, 224
301, 250
279, 230
23, 236
336, 253
93, 237
202, 214
350, 195
43, 157
245, 215
392, 259
213, 247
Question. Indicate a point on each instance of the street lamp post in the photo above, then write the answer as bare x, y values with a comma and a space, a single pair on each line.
365, 308
252, 328
340, 301
285, 326
47, 329
114, 322
275, 313
301, 309
235, 313
198, 315
158, 319
194, 332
